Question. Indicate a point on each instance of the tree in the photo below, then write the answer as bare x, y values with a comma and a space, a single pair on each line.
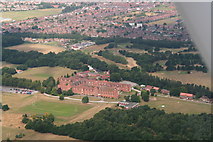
152, 91
59, 91
54, 92
135, 98
145, 97
85, 99
61, 97
25, 120
50, 82
22, 67
70, 92
5, 107
115, 77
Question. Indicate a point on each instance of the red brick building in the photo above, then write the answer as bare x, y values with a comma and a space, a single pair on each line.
93, 87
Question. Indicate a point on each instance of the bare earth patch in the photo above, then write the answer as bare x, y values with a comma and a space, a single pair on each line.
37, 47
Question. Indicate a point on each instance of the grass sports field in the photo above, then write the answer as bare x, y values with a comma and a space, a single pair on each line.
22, 15
195, 77
37, 47
177, 105
42, 73
57, 109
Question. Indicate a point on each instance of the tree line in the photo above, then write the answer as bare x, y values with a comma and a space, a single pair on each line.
141, 123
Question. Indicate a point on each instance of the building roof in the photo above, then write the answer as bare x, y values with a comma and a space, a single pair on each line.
186, 94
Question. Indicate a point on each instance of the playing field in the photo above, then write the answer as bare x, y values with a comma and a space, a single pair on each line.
94, 48
176, 105
37, 47
195, 77
42, 73
57, 109
22, 15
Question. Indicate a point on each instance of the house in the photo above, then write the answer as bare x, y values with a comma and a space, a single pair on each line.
186, 96
165, 92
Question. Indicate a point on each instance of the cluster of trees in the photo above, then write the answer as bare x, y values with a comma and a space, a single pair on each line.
75, 7
6, 70
4, 107
72, 35
132, 98
185, 62
45, 5
8, 80
40, 123
21, 135
22, 67
135, 98
109, 55
72, 59
144, 60
11, 40
145, 95
141, 123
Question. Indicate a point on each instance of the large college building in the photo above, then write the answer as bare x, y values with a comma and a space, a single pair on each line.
93, 87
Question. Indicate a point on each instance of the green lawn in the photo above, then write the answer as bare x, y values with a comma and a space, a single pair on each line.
176, 106
42, 73
22, 15
57, 109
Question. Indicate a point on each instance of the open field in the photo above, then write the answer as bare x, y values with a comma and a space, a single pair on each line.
167, 21
195, 77
177, 105
5, 64
66, 111
22, 15
9, 132
57, 109
42, 73
37, 47
175, 50
94, 48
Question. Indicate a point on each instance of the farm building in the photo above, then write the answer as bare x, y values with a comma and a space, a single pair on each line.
186, 96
